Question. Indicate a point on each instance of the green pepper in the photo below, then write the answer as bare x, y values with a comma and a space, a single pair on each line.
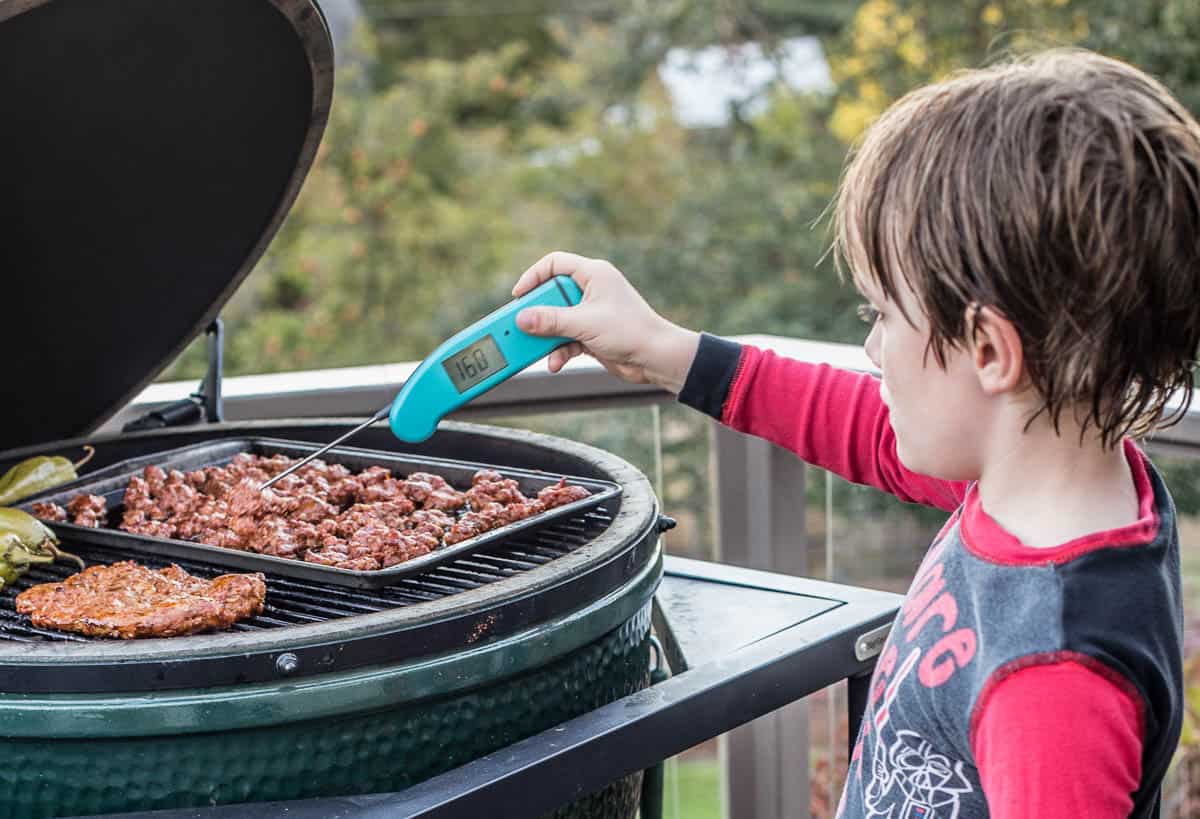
8, 575
25, 541
36, 474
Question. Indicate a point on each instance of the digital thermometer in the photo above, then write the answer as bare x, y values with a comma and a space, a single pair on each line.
476, 359
466, 365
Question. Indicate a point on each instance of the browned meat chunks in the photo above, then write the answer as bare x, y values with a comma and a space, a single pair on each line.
83, 510
49, 511
321, 513
88, 510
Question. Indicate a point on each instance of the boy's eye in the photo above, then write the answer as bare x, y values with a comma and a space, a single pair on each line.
868, 313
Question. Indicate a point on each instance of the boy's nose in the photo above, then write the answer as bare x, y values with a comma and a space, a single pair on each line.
871, 346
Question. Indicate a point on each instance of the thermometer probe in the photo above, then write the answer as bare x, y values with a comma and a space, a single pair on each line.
465, 366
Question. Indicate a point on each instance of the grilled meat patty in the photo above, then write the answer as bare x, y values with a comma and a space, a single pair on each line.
128, 600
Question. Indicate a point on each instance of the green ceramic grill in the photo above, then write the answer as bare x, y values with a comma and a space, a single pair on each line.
340, 690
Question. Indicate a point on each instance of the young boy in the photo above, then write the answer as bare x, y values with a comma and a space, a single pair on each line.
1028, 239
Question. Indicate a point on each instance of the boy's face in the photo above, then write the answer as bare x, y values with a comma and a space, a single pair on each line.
935, 413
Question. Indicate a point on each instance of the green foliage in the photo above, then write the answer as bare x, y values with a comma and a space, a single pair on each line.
1160, 36
1182, 477
893, 46
466, 140
463, 146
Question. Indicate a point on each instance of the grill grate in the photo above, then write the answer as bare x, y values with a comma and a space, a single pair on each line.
297, 602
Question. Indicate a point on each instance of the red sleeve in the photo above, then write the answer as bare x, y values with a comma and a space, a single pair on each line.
831, 418
1059, 741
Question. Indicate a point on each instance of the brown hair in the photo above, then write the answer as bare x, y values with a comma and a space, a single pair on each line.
1061, 190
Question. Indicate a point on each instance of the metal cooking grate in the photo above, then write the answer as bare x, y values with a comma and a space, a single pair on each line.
295, 602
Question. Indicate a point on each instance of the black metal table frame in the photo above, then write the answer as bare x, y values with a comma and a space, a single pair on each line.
715, 694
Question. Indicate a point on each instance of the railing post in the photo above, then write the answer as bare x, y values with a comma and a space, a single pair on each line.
759, 505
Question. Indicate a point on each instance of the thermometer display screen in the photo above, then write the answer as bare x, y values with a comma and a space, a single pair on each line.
474, 363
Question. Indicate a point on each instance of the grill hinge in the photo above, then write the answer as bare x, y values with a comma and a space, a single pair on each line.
205, 403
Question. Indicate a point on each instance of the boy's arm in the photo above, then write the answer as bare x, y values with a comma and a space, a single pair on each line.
1058, 741
831, 418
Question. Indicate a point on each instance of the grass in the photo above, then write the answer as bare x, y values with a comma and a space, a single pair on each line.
693, 789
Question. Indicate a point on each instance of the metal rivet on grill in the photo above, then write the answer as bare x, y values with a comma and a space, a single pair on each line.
287, 663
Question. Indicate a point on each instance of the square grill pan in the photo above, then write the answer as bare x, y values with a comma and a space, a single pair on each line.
219, 453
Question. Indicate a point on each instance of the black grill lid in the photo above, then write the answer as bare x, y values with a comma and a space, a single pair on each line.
149, 151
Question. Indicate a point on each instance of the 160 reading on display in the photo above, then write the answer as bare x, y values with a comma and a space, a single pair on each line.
474, 363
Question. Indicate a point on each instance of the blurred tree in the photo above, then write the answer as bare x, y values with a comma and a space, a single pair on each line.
469, 136
893, 46
467, 139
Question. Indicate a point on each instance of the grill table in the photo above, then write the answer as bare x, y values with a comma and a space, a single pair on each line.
743, 643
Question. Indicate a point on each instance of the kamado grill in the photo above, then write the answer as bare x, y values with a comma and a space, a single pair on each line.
336, 689
151, 151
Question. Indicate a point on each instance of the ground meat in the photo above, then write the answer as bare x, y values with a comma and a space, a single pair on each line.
446, 499
83, 510
126, 600
433, 492
488, 486
561, 494
322, 513
431, 521
224, 538
88, 510
392, 514
49, 511
435, 481
341, 560
273, 535
159, 528
491, 516
506, 508
468, 526
311, 509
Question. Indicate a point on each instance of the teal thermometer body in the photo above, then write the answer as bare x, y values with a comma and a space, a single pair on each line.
471, 362
475, 360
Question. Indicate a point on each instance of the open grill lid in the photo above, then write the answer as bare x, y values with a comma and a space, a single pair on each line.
149, 151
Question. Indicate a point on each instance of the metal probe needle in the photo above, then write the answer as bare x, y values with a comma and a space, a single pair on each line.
379, 416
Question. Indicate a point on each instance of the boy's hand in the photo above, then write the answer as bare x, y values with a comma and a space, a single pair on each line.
613, 324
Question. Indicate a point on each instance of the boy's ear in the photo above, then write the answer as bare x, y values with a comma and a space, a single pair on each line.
996, 350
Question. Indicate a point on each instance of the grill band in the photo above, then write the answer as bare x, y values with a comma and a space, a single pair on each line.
169, 713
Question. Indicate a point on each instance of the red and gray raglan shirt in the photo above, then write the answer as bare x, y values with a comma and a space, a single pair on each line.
1016, 683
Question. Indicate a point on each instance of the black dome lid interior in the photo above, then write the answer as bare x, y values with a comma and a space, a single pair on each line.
148, 152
